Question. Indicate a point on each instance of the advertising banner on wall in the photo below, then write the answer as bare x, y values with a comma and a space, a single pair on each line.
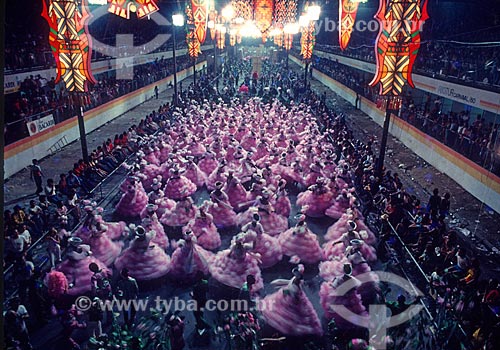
39, 125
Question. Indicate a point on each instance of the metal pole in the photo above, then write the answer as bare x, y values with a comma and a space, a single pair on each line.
305, 75
215, 55
175, 69
194, 70
287, 59
81, 127
383, 143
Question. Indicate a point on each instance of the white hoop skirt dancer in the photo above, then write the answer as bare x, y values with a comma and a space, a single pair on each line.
289, 310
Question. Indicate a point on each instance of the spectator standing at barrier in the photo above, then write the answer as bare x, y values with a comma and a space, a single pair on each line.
36, 175
23, 272
444, 205
434, 203
156, 91
127, 289
16, 323
36, 217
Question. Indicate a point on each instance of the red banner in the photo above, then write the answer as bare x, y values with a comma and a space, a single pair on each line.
347, 16
200, 16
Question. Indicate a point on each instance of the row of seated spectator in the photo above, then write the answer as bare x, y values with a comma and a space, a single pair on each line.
59, 204
39, 97
452, 275
473, 137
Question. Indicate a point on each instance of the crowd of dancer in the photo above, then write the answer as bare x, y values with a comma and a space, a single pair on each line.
225, 190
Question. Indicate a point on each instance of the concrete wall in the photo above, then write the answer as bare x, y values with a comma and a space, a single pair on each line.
19, 154
476, 180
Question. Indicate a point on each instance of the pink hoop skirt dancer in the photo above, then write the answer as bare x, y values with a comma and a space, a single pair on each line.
144, 260
208, 163
195, 174
316, 200
204, 229
220, 208
282, 205
103, 248
76, 267
232, 266
184, 211
272, 222
332, 268
342, 203
289, 310
302, 242
187, 260
351, 300
267, 246
133, 201
178, 186
236, 192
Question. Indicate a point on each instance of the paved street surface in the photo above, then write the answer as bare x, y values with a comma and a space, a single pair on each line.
419, 178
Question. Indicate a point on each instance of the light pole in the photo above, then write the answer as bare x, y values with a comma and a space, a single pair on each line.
290, 30
178, 21
77, 100
307, 22
393, 105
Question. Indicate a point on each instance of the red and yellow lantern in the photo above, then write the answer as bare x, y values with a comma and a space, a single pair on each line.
123, 8
397, 43
70, 42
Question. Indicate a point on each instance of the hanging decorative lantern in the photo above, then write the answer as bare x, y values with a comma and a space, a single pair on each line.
397, 43
194, 46
212, 18
200, 16
123, 8
278, 39
70, 42
290, 12
220, 37
307, 41
242, 10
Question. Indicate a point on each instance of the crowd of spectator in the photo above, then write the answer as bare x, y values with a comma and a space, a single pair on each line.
442, 60
39, 97
471, 136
